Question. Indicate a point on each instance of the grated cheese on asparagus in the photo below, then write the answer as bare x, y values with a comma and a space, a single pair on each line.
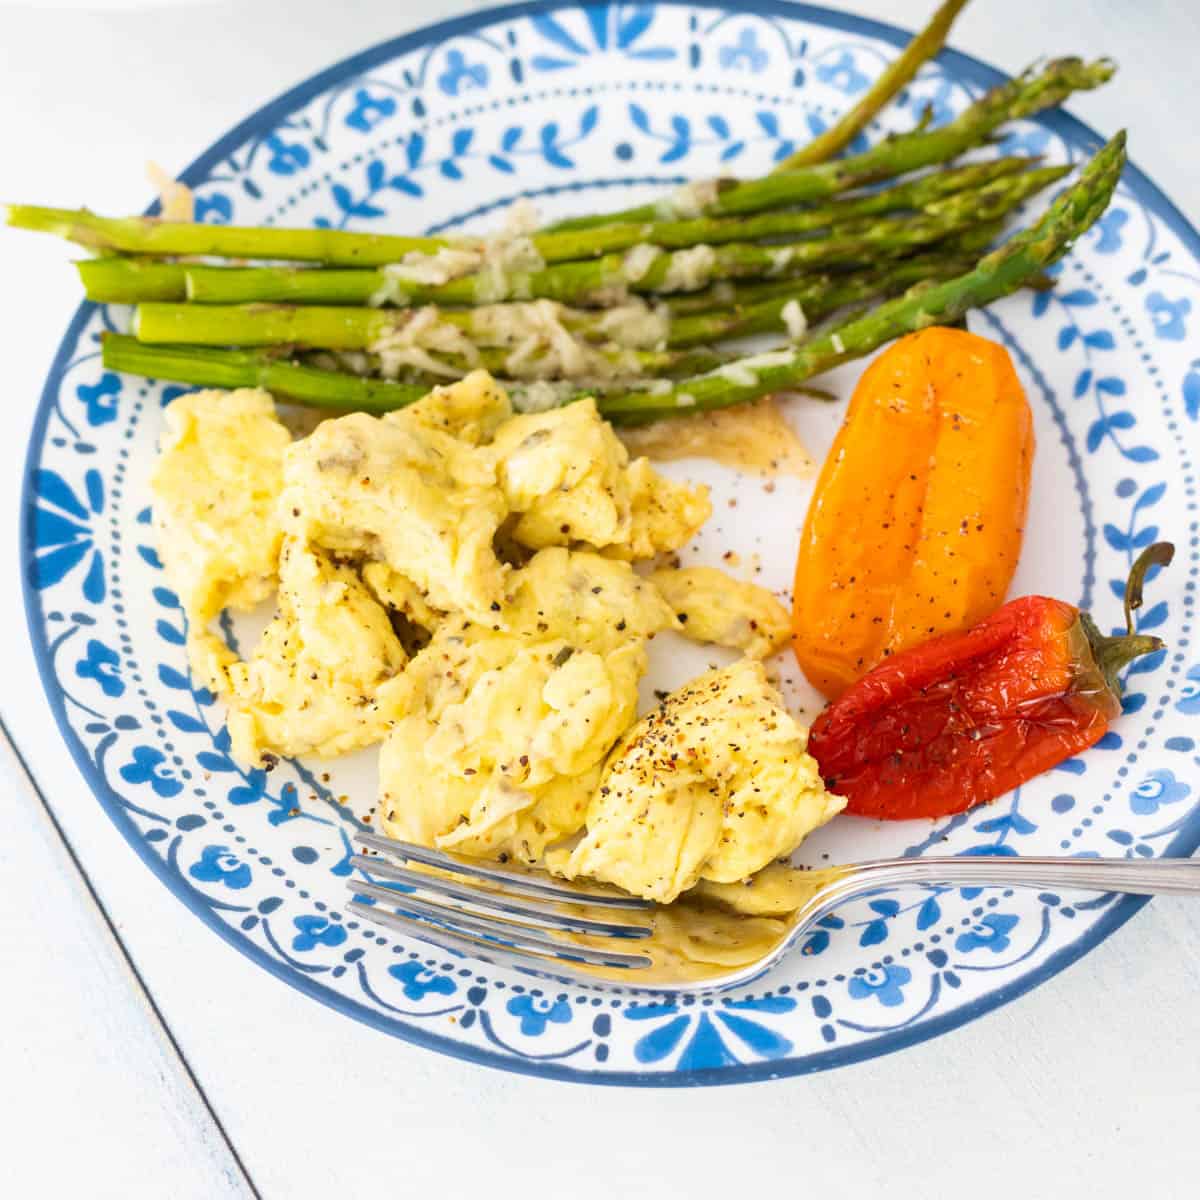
425, 270
638, 261
502, 263
549, 350
768, 358
691, 269
541, 395
635, 323
507, 264
419, 341
795, 320
744, 371
689, 200
738, 374
781, 259
542, 345
521, 219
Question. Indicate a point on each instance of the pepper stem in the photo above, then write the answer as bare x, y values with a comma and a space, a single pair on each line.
1114, 654
1159, 553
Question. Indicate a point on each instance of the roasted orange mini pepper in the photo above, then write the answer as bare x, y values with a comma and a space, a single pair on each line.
915, 526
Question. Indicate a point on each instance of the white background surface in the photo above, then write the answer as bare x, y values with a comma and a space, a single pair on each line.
160, 1063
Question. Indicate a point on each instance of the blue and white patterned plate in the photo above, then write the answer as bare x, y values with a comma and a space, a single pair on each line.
588, 108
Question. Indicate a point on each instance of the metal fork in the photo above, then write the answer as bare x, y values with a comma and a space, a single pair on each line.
518, 917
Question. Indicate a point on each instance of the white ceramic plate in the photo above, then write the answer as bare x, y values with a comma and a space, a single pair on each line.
584, 108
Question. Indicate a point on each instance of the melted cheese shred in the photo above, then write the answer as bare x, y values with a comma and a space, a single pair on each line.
753, 437
534, 337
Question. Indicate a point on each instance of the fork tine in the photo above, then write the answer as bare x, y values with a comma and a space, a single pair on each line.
475, 901
431, 921
481, 948
457, 943
508, 880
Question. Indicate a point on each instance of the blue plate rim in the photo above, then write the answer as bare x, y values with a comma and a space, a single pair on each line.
265, 118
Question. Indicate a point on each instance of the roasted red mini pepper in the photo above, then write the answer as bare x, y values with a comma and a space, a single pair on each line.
966, 717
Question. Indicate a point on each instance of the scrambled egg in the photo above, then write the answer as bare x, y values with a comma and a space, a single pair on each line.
588, 599
406, 492
505, 727
425, 492
218, 475
564, 473
569, 477
315, 682
401, 595
713, 785
470, 410
665, 514
712, 607
456, 582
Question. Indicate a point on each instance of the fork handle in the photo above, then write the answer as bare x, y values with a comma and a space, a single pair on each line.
1146, 877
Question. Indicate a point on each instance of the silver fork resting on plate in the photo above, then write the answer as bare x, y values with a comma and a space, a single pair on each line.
594, 934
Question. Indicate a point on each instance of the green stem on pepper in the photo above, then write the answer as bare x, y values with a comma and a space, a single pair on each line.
1113, 653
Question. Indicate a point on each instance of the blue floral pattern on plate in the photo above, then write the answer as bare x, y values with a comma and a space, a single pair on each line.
592, 106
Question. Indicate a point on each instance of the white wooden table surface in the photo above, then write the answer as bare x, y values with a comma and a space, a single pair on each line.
141, 1057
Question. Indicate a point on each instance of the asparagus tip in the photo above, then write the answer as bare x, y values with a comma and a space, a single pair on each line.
1114, 148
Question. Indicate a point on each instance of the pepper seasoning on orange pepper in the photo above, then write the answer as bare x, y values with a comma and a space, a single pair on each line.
916, 523
966, 717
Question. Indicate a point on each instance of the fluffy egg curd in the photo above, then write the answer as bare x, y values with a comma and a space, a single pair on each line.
568, 478
505, 728
216, 488
711, 607
417, 498
713, 785
317, 681
465, 587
